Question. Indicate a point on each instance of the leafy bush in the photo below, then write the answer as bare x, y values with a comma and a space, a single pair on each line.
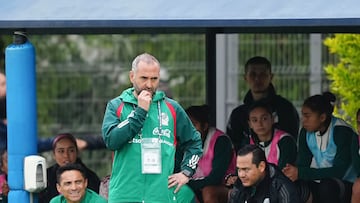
345, 75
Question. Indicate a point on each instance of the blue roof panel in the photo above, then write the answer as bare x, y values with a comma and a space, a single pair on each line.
120, 14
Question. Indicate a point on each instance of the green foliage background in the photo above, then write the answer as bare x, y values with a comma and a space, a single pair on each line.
345, 75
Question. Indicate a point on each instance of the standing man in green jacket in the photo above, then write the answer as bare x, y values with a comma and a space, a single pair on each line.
144, 128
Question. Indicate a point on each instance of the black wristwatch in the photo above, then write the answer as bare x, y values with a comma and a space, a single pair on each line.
186, 173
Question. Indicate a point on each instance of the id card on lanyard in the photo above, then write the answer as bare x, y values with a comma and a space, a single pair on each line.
150, 156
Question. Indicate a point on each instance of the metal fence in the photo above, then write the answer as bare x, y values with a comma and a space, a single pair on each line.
290, 58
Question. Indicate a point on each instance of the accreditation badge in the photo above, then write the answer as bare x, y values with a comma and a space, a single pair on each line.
150, 156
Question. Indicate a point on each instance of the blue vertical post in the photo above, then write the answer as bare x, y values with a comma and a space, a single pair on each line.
21, 112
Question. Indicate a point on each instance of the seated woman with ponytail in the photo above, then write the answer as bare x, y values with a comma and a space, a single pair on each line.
324, 158
218, 159
279, 146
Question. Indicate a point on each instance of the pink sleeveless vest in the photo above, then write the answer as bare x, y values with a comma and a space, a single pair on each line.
205, 163
272, 157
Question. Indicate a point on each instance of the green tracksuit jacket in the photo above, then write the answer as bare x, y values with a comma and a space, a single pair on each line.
123, 134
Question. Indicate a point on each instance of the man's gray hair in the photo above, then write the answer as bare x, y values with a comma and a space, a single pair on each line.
145, 57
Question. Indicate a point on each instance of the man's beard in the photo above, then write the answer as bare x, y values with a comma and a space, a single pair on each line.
138, 91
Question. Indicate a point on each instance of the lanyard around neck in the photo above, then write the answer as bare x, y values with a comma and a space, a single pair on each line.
159, 117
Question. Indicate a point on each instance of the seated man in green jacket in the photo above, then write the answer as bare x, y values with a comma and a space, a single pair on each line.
72, 185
